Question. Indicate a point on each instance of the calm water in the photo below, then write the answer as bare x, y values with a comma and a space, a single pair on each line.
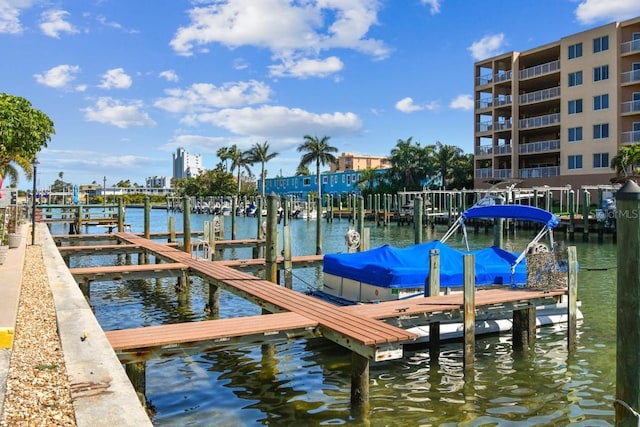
308, 382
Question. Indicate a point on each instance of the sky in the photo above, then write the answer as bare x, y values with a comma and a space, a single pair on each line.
126, 82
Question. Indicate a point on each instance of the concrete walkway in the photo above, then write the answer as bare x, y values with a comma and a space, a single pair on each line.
101, 392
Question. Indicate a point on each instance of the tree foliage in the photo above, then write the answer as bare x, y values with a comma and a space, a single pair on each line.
317, 151
627, 161
215, 182
259, 153
24, 131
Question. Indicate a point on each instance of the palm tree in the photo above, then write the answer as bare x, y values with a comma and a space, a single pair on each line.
406, 163
260, 153
223, 154
446, 157
626, 160
368, 179
10, 169
318, 151
302, 171
239, 160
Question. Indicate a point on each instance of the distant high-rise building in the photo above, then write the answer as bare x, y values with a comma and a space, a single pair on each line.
558, 113
186, 165
157, 182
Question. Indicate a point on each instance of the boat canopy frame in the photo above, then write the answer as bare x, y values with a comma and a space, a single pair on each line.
515, 212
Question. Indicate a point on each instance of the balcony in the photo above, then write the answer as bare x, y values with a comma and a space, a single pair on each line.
631, 107
483, 127
502, 173
631, 76
484, 150
631, 137
484, 173
539, 70
505, 125
543, 172
540, 121
630, 46
502, 76
484, 79
539, 146
503, 100
484, 103
503, 149
538, 96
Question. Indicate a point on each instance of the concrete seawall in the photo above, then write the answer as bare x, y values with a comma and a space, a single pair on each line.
100, 389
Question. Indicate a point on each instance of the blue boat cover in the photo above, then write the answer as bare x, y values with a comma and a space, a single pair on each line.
392, 267
518, 212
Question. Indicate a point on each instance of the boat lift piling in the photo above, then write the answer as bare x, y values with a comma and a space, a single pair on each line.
627, 402
469, 317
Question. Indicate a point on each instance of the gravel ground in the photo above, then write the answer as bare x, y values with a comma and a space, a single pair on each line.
37, 385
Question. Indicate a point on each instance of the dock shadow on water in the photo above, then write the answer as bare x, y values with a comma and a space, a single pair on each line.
307, 382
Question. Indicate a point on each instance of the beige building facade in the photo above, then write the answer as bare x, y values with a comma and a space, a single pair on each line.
358, 162
557, 114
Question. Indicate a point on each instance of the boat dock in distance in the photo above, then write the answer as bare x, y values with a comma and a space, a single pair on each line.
372, 332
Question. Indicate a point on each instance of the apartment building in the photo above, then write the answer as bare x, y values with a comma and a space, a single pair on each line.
558, 113
186, 165
358, 162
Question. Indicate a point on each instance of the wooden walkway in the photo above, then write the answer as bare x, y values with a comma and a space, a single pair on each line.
370, 338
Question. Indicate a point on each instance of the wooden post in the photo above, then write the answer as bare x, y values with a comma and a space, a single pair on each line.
186, 221
271, 251
365, 239
79, 220
499, 224
585, 215
214, 301
572, 235
417, 219
288, 264
628, 306
233, 217
524, 328
360, 225
359, 381
433, 283
449, 208
147, 211
171, 225
319, 226
137, 375
120, 215
434, 342
85, 287
572, 285
469, 314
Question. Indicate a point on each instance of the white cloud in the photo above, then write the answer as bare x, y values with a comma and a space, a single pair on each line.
115, 79
205, 96
487, 46
110, 111
169, 75
307, 68
435, 5
59, 77
52, 23
103, 20
406, 105
590, 11
283, 27
462, 102
282, 122
10, 15
94, 160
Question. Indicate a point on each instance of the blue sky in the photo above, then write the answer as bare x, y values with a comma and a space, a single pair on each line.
128, 82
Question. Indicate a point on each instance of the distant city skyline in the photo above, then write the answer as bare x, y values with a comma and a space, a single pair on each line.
125, 91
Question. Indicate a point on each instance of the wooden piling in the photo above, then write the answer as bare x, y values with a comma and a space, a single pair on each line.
360, 223
523, 333
171, 225
585, 215
147, 212
417, 219
234, 204
359, 381
469, 314
572, 235
628, 306
288, 264
186, 221
498, 226
120, 215
319, 226
434, 342
434, 274
137, 375
271, 250
214, 301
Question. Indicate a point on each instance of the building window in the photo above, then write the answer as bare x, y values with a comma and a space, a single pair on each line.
601, 73
601, 131
575, 134
348, 179
600, 44
601, 102
575, 51
600, 160
575, 161
324, 179
575, 79
575, 106
306, 181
